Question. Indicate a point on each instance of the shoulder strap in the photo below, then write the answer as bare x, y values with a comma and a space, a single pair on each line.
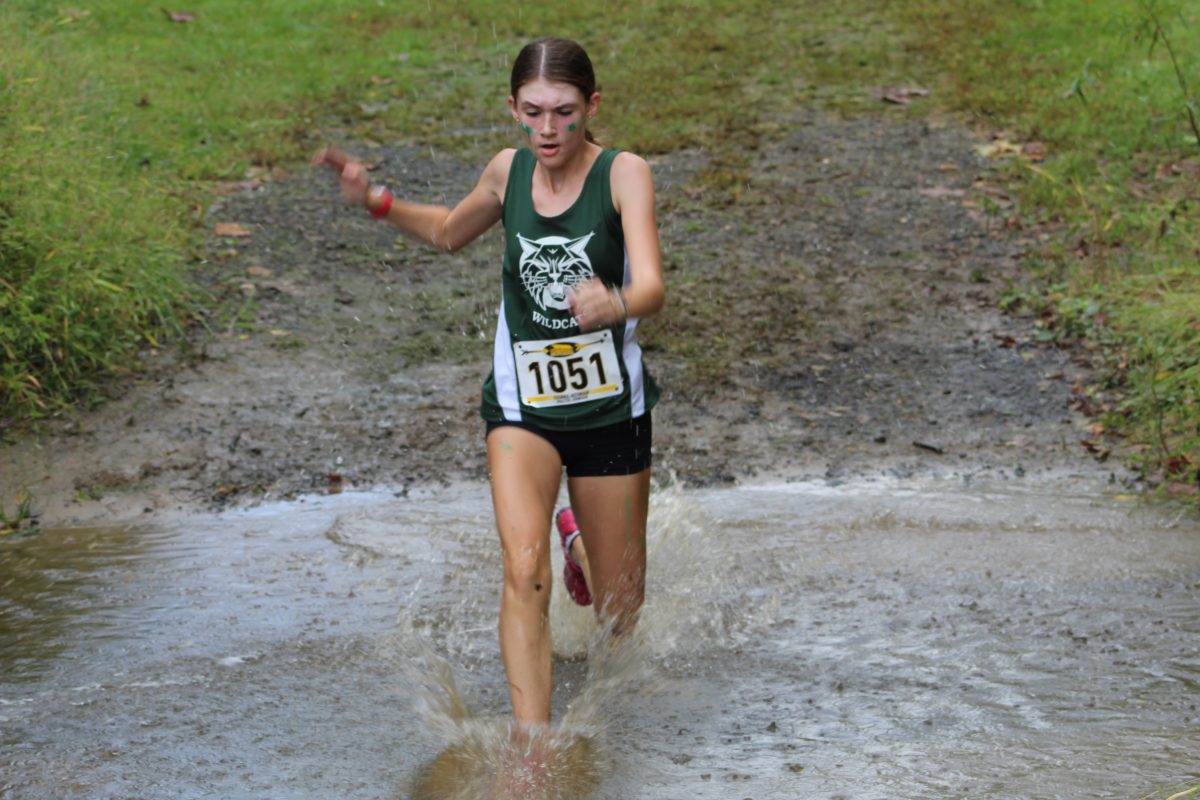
516, 190
611, 218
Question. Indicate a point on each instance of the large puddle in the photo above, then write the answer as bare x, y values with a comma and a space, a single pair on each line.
869, 640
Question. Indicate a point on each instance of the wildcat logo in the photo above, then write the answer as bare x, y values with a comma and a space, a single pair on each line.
552, 266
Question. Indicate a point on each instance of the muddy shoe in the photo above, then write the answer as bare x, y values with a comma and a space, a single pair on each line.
572, 572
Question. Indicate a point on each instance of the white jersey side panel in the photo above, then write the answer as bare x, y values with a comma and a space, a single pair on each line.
631, 354
504, 371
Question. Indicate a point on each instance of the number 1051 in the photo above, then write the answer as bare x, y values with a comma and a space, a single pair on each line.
559, 374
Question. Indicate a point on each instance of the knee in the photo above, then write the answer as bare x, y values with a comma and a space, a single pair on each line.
527, 571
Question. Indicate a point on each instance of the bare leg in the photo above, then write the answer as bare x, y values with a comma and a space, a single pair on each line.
611, 511
525, 472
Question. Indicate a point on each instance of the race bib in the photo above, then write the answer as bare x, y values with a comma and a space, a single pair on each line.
575, 369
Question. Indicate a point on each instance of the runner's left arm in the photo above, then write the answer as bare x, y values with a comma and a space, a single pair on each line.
633, 197
592, 303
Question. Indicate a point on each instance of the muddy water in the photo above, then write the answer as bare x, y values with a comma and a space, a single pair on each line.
868, 640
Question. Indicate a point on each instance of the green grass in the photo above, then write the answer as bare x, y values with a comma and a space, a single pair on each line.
22, 513
118, 126
1111, 88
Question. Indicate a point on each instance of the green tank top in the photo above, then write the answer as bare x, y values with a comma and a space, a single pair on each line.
545, 370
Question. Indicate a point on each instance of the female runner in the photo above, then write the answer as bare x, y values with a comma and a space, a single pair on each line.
567, 388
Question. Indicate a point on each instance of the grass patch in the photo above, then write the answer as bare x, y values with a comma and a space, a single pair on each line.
117, 124
21, 514
1109, 91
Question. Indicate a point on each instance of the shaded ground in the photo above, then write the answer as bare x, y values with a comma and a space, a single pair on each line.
838, 319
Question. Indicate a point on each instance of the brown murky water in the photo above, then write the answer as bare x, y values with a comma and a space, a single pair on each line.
906, 639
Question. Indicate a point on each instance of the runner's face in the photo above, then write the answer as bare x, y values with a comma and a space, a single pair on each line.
554, 116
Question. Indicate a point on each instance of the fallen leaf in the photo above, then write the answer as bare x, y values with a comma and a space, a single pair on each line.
231, 229
279, 332
1034, 151
1098, 452
1188, 167
179, 16
282, 288
994, 193
68, 15
941, 191
233, 187
255, 271
1177, 465
897, 95
378, 81
1139, 189
998, 148
1082, 403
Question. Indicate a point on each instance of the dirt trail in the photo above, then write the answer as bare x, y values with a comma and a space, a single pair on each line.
838, 320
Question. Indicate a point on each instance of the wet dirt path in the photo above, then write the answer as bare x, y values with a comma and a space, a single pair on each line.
837, 320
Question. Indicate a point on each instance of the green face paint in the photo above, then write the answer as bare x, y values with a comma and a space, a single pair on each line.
572, 127
527, 129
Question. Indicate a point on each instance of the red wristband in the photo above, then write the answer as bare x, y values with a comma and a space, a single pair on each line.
385, 205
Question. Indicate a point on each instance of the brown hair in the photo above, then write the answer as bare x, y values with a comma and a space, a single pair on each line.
555, 59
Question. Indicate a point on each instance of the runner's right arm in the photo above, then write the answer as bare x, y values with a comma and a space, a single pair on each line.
442, 227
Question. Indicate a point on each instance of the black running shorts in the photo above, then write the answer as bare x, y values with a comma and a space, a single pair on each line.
620, 449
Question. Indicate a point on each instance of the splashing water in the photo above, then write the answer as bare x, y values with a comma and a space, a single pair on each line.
486, 757
490, 758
